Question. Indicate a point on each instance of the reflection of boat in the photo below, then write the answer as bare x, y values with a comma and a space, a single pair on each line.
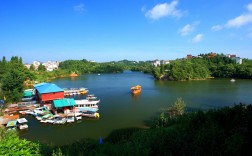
136, 89
232, 80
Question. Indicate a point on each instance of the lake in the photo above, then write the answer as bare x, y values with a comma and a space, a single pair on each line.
119, 109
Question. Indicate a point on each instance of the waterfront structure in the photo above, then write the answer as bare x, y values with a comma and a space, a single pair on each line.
47, 92
63, 105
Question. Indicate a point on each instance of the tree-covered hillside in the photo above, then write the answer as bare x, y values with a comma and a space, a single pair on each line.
202, 67
84, 66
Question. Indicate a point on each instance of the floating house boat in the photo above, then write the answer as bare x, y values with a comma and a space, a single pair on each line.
47, 92
22, 123
63, 105
136, 89
11, 125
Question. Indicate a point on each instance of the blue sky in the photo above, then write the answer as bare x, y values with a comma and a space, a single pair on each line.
107, 30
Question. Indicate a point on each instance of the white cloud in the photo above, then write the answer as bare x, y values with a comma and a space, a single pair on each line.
79, 8
197, 38
163, 10
187, 29
249, 7
240, 21
217, 27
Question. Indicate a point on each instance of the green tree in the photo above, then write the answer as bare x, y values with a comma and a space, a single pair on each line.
12, 85
10, 144
32, 68
41, 68
178, 108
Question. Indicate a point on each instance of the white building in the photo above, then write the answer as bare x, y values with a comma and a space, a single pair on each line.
36, 64
238, 60
50, 66
159, 62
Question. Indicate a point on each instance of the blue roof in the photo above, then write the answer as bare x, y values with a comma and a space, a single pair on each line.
63, 103
47, 88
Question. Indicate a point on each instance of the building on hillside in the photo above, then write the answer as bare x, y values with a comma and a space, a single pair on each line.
65, 105
189, 56
36, 64
231, 55
47, 92
238, 60
50, 65
159, 62
211, 55
27, 65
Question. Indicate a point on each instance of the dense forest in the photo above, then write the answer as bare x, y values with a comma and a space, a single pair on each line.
226, 131
203, 67
84, 66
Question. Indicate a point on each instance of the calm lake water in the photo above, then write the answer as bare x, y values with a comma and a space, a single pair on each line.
119, 109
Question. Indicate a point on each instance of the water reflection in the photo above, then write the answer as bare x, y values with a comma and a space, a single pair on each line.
135, 97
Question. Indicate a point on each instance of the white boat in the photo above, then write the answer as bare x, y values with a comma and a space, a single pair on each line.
86, 103
22, 123
51, 119
27, 112
78, 116
232, 80
45, 117
91, 114
39, 117
40, 110
91, 97
60, 120
31, 112
70, 119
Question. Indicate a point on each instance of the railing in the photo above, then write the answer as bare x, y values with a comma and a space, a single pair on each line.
24, 104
